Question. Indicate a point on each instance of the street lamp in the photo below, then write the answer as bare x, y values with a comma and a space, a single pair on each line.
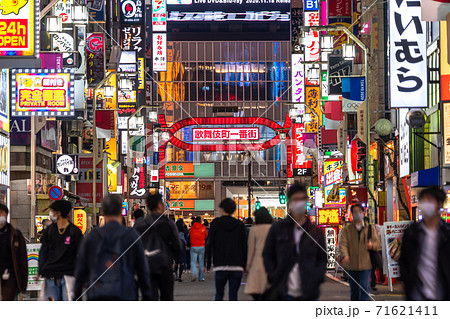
80, 14
109, 91
327, 42
349, 51
126, 84
54, 24
313, 73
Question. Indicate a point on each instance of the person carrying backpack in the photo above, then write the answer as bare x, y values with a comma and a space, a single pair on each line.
161, 242
110, 257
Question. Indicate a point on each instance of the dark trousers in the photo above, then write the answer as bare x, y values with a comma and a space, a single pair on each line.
359, 284
234, 283
162, 285
8, 287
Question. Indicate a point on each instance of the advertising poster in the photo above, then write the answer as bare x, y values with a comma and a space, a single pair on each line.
42, 94
20, 24
34, 283
338, 68
333, 171
393, 233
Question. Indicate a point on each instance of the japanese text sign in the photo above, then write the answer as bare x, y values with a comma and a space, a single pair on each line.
179, 170
312, 103
159, 52
339, 8
132, 39
131, 11
19, 24
137, 186
312, 47
182, 204
95, 58
298, 78
220, 134
329, 216
80, 219
4, 100
331, 241
42, 93
408, 56
333, 171
159, 15
446, 132
393, 235
302, 166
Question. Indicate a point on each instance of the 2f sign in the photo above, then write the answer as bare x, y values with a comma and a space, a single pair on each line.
311, 5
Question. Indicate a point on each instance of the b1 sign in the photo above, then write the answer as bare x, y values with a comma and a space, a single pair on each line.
311, 5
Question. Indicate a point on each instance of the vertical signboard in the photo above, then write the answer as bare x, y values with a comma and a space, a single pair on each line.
159, 52
353, 93
403, 142
298, 78
95, 58
331, 238
312, 47
446, 114
63, 9
302, 166
34, 281
19, 24
159, 15
445, 66
4, 100
312, 103
137, 186
392, 236
408, 56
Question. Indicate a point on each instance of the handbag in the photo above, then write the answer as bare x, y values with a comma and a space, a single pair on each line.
374, 256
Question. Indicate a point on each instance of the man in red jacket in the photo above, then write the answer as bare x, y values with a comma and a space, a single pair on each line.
197, 237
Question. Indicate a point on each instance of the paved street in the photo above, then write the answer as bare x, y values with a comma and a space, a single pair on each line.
331, 290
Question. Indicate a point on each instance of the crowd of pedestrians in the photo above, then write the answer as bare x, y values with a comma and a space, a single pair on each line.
277, 259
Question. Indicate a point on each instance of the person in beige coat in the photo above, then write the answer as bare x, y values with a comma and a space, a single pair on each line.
354, 247
257, 276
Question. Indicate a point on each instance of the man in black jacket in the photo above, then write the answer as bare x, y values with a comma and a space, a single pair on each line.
161, 243
13, 258
227, 244
58, 253
294, 254
425, 251
110, 257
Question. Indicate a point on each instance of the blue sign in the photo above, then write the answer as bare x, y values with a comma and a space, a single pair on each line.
311, 5
55, 193
124, 208
353, 93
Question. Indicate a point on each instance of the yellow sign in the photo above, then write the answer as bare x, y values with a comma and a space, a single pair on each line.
313, 108
17, 28
79, 219
141, 74
329, 216
42, 92
183, 190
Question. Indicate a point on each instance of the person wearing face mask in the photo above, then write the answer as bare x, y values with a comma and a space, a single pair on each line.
13, 259
58, 253
354, 246
425, 251
294, 253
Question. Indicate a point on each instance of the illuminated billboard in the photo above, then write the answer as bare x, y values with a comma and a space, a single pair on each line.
42, 93
230, 134
4, 100
232, 10
19, 25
